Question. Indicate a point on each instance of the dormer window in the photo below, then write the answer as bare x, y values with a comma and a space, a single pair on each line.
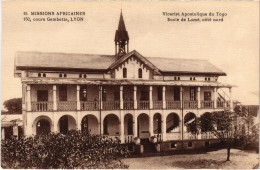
140, 73
124, 72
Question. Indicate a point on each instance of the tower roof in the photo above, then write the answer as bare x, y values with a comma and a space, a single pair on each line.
121, 33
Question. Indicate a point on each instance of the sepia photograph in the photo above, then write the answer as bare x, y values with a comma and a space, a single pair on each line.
130, 85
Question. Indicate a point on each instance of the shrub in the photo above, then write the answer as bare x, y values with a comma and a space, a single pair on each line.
76, 149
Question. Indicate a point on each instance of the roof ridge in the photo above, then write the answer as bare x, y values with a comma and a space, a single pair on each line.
40, 52
179, 58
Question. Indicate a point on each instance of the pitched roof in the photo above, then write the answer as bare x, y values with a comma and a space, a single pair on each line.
179, 65
63, 60
104, 62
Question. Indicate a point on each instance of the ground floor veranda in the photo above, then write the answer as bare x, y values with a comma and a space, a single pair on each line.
164, 125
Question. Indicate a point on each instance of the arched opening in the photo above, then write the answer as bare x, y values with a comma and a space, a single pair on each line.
172, 123
157, 123
206, 124
128, 124
66, 123
140, 73
143, 126
111, 125
189, 118
90, 123
124, 72
43, 126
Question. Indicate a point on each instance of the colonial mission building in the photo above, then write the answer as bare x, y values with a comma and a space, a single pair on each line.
125, 95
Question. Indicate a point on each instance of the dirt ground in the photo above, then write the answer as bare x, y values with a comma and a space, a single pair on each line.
239, 159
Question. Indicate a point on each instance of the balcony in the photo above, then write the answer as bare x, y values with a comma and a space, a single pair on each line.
42, 106
111, 105
89, 105
157, 104
143, 105
190, 104
173, 104
128, 105
67, 106
207, 104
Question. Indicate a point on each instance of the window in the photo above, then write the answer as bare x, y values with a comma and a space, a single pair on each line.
124, 72
65, 75
60, 75
207, 96
159, 92
42, 95
63, 93
176, 93
44, 75
190, 78
189, 144
175, 78
116, 95
144, 96
173, 145
179, 78
207, 78
192, 93
140, 73
85, 76
39, 75
194, 78
80, 76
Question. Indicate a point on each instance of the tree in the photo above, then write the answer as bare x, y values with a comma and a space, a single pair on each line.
14, 105
225, 126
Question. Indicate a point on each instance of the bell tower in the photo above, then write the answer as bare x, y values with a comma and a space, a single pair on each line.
121, 38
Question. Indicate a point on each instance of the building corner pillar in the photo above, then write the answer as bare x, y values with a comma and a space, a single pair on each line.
151, 123
28, 94
122, 130
164, 138
78, 97
135, 124
198, 97
151, 97
163, 97
121, 97
54, 93
135, 97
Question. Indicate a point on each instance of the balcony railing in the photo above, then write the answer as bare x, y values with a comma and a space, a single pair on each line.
207, 135
173, 136
220, 104
190, 104
129, 138
173, 104
89, 105
42, 106
189, 136
128, 105
143, 105
207, 104
67, 106
111, 105
157, 104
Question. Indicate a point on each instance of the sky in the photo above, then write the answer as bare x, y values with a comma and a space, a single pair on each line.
231, 45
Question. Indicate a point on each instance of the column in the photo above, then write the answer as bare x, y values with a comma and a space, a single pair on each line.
78, 97
163, 97
55, 122
28, 95
122, 131
151, 97
230, 97
101, 123
198, 96
215, 97
29, 124
15, 130
100, 98
121, 98
78, 120
3, 133
135, 124
54, 90
181, 128
135, 97
151, 123
163, 125
181, 96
